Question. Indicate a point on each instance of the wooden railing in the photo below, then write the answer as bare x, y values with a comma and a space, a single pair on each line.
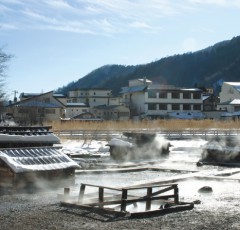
171, 134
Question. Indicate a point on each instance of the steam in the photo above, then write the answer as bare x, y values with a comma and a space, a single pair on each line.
223, 149
139, 148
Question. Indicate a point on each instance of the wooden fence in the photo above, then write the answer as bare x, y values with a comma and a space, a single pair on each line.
170, 134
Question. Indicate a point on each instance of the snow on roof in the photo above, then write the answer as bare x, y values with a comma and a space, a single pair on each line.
72, 104
205, 97
235, 102
36, 159
119, 142
236, 85
46, 138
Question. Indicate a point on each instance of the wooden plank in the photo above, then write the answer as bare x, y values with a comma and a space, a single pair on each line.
106, 187
163, 190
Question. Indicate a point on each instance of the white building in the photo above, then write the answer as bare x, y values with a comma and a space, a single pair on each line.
91, 97
75, 109
169, 101
160, 101
229, 91
133, 96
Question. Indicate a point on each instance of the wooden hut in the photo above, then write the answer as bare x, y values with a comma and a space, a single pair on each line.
29, 159
23, 168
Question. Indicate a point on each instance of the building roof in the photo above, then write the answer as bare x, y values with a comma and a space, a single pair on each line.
133, 89
36, 159
38, 104
72, 104
236, 85
235, 102
205, 97
231, 102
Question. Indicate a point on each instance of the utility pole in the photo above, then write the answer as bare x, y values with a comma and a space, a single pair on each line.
15, 95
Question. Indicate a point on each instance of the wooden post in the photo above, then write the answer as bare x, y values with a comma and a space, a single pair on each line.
124, 200
81, 193
66, 193
176, 196
101, 197
149, 195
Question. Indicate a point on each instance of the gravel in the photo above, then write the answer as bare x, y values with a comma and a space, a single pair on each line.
43, 211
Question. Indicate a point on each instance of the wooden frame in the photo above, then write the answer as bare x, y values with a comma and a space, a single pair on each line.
121, 198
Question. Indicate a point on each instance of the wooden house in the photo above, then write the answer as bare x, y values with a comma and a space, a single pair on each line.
29, 159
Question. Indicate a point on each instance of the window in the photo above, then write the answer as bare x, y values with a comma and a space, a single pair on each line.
175, 95
162, 106
152, 94
152, 106
236, 108
94, 93
50, 111
23, 110
162, 94
186, 107
175, 106
197, 107
197, 96
186, 95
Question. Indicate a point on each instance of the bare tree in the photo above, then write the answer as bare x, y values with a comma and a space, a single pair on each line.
4, 58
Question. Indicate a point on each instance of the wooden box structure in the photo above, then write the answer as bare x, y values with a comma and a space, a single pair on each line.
27, 136
135, 201
138, 146
28, 159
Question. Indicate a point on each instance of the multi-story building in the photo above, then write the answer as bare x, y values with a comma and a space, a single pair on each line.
161, 101
169, 101
90, 97
37, 109
133, 96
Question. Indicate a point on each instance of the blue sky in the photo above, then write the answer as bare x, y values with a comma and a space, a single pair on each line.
55, 42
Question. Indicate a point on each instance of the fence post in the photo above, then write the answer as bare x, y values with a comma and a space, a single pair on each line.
101, 197
124, 200
149, 195
176, 195
81, 193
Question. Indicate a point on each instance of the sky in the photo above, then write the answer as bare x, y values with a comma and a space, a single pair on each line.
55, 42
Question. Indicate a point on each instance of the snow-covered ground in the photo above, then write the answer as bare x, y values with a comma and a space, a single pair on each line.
183, 156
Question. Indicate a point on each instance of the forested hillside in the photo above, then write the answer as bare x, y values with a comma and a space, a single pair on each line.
205, 68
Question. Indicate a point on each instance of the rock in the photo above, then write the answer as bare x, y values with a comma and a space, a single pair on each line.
205, 189
199, 164
197, 201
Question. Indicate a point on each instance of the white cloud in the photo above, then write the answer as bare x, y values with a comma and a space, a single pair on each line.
97, 16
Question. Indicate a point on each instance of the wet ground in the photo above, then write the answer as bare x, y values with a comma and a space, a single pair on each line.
218, 209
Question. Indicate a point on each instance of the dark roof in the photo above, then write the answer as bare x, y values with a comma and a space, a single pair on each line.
133, 89
76, 105
38, 104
